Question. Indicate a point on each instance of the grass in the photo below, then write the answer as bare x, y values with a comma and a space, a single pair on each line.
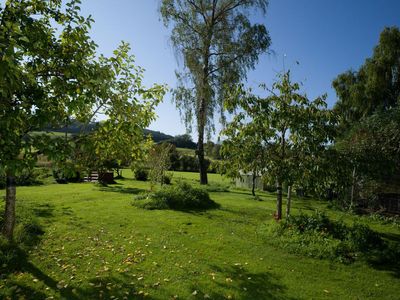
186, 151
96, 245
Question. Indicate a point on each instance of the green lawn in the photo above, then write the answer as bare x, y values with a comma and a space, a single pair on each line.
97, 245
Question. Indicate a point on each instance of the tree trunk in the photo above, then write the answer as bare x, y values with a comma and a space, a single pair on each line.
289, 200
278, 215
9, 211
253, 184
200, 155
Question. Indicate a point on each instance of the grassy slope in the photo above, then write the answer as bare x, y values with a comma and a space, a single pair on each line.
97, 245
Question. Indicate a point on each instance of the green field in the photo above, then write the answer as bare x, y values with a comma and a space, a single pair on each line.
96, 245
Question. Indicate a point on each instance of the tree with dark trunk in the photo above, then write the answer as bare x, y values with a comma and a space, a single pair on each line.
218, 45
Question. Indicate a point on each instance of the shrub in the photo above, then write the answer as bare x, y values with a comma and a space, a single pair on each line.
317, 236
68, 174
141, 174
180, 197
27, 177
167, 178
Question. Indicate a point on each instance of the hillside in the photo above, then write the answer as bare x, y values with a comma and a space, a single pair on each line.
76, 127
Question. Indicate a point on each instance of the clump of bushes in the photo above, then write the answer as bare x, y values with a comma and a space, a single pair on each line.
182, 196
167, 178
67, 175
26, 177
141, 174
318, 236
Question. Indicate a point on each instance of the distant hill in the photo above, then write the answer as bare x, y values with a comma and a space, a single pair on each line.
158, 136
182, 141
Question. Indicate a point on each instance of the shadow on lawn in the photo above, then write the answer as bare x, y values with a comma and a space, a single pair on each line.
43, 211
387, 259
97, 288
238, 283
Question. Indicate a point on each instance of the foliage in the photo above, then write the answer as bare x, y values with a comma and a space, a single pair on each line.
218, 45
167, 178
182, 141
318, 236
213, 150
69, 174
368, 107
141, 174
26, 177
244, 150
182, 196
375, 86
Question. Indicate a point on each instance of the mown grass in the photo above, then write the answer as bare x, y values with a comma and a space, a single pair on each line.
96, 245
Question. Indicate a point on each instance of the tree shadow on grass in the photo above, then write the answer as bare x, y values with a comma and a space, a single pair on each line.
386, 259
122, 190
239, 283
43, 210
105, 287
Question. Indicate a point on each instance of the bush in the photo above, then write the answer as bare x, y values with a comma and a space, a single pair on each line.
27, 177
141, 174
180, 197
317, 236
167, 179
68, 174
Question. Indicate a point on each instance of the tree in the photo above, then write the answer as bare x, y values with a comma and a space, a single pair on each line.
291, 128
243, 151
159, 162
375, 86
368, 101
371, 152
50, 74
218, 45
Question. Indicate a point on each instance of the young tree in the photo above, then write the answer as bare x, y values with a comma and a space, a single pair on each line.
291, 127
50, 74
243, 150
218, 45
159, 162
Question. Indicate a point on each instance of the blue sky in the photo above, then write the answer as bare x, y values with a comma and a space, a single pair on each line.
327, 37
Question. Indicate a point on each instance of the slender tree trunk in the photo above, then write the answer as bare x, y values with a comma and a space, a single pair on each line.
278, 215
253, 184
289, 200
9, 211
200, 155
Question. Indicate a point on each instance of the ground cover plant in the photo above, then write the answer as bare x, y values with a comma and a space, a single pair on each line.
96, 245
